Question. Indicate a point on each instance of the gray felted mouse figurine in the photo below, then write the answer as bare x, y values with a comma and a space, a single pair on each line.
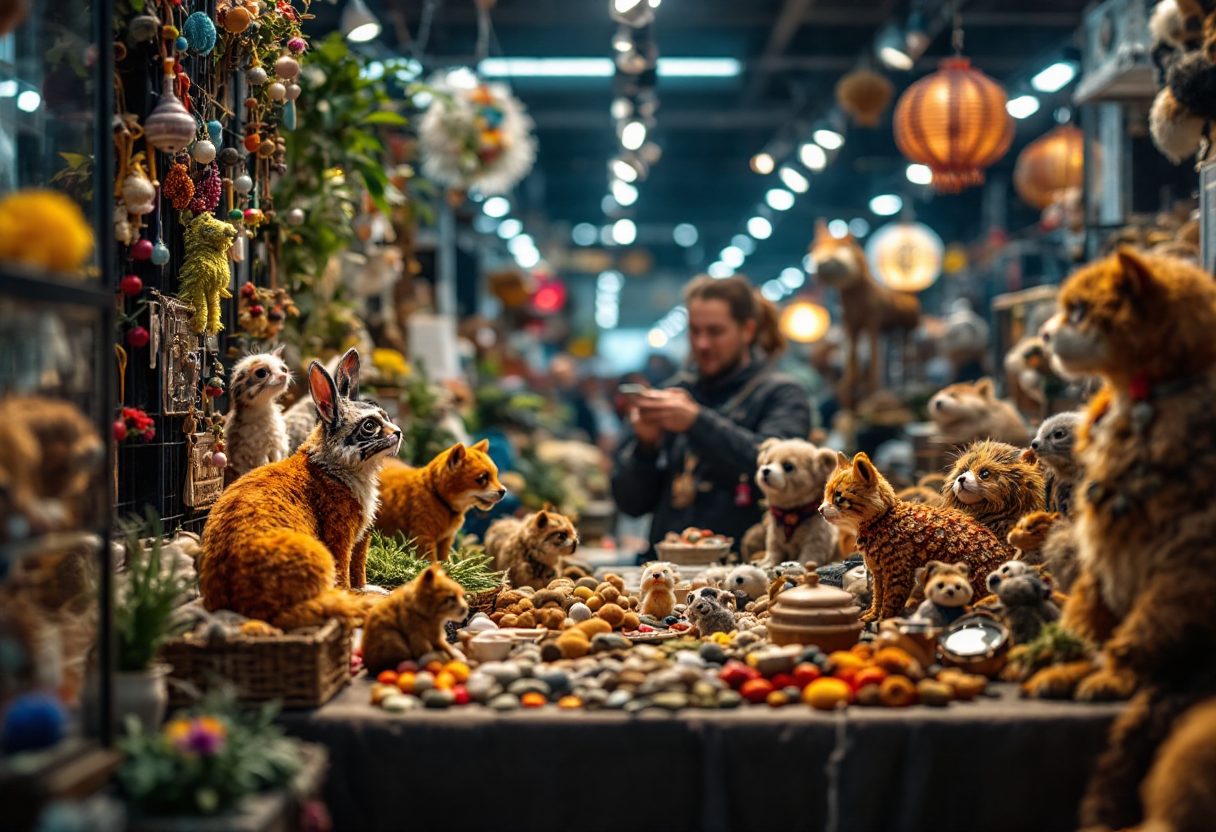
1026, 605
710, 612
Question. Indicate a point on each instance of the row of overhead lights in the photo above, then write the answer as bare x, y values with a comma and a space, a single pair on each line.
495, 219
633, 109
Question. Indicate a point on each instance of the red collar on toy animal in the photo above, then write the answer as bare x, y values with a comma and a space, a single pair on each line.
1143, 390
791, 518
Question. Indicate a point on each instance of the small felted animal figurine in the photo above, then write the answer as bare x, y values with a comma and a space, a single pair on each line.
1144, 522
409, 623
947, 592
869, 307
658, 590
429, 504
1178, 794
301, 417
254, 432
205, 273
792, 473
281, 538
965, 412
1030, 533
1026, 604
750, 580
996, 484
528, 550
1054, 445
709, 610
897, 538
50, 454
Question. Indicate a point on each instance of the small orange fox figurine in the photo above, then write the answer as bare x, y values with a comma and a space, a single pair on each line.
286, 541
429, 504
410, 623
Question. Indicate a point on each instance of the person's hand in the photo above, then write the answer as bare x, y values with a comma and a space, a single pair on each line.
648, 432
672, 410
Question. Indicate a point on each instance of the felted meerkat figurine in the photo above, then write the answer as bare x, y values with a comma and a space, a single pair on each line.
254, 431
1055, 445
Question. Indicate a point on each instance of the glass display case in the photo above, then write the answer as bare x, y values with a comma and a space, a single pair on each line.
57, 360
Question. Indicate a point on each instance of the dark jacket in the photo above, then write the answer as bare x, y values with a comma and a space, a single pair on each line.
725, 439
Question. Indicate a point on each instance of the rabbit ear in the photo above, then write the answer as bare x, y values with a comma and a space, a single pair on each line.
324, 393
347, 376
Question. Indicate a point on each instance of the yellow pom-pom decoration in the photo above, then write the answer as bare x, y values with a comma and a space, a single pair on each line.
44, 229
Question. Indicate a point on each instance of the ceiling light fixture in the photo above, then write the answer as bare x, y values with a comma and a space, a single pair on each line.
858, 227
657, 338
892, 49
760, 228
920, 174
359, 25
1024, 106
624, 193
744, 243
885, 205
779, 199
631, 12
520, 243
1055, 77
719, 270
623, 41
509, 227
828, 138
762, 163
604, 68
794, 180
813, 156
623, 171
528, 258
633, 135
732, 256
624, 232
792, 278
838, 229
685, 235
496, 206
584, 234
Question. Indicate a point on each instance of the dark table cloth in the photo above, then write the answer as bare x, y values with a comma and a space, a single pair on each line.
994, 765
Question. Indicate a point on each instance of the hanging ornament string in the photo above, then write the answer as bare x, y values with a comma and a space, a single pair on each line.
418, 47
121, 355
482, 50
956, 37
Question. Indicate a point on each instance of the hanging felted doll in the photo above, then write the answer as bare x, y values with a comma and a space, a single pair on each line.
204, 276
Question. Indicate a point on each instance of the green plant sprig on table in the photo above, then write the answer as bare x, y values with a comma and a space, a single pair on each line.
148, 593
394, 561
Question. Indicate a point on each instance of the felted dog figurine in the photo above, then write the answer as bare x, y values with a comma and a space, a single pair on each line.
792, 474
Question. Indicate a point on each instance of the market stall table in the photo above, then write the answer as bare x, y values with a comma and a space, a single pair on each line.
902, 770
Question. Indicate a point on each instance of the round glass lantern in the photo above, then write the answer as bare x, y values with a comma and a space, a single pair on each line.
906, 256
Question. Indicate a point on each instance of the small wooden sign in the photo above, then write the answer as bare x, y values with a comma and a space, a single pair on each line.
181, 357
204, 481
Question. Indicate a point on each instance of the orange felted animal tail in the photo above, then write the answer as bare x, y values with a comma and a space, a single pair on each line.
336, 603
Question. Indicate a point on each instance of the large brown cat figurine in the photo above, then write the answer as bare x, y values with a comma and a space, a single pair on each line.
1144, 522
286, 542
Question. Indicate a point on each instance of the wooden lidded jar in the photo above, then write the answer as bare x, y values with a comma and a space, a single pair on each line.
812, 614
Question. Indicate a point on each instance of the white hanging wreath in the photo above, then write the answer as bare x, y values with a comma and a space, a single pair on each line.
475, 135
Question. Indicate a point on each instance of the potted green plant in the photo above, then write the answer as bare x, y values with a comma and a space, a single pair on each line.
148, 591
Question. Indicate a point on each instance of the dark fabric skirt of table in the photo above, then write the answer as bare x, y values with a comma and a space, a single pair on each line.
994, 765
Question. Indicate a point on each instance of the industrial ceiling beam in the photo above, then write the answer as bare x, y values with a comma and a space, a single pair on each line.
764, 118
788, 22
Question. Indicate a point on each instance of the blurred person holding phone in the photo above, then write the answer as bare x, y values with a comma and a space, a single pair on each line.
688, 454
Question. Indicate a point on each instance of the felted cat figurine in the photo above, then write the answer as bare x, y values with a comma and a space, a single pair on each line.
897, 538
429, 504
1144, 522
254, 432
528, 550
285, 542
205, 273
409, 623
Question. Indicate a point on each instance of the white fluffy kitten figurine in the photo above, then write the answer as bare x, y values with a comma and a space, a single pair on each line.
254, 431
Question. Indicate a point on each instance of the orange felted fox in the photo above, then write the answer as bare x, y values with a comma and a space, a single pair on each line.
283, 536
429, 504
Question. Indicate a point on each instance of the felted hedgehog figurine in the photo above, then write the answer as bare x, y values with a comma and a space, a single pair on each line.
996, 484
1054, 445
204, 276
709, 611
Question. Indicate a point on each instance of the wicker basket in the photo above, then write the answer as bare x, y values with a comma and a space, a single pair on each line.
484, 601
301, 669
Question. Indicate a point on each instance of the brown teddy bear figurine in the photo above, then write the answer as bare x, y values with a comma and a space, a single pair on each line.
947, 592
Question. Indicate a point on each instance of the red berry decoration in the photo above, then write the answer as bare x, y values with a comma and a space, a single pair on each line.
256, 310
207, 190
142, 250
120, 430
131, 285
138, 337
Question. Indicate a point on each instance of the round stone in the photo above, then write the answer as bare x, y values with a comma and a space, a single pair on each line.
505, 702
438, 698
557, 681
550, 652
604, 642
671, 701
594, 698
482, 687
729, 699
618, 699
521, 686
423, 682
689, 658
399, 703
712, 652
580, 612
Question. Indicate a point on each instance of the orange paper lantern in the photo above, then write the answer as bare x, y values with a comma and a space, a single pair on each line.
954, 121
1050, 165
864, 94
